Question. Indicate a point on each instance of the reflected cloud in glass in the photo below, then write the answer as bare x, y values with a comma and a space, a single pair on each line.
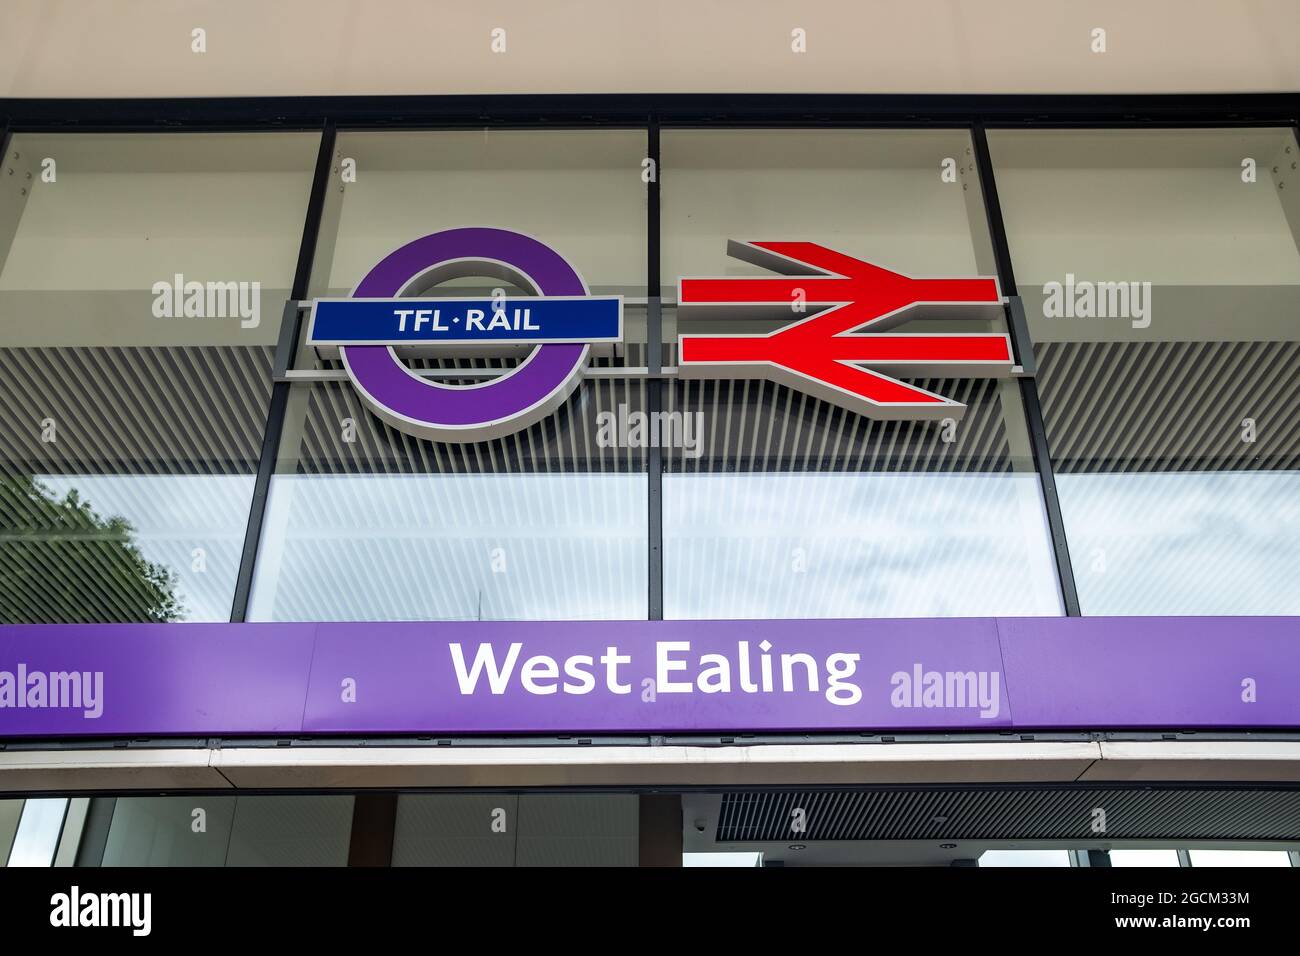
856, 545
190, 526
453, 547
1184, 543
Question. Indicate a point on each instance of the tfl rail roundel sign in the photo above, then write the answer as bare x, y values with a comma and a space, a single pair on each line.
561, 322
844, 352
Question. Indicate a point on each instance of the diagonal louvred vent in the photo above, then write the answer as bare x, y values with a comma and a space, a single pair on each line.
116, 464
136, 411
1170, 406
1011, 814
757, 426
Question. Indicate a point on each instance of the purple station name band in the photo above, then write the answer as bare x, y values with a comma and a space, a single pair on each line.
471, 677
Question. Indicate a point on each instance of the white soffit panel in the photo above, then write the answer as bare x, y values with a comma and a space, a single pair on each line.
346, 47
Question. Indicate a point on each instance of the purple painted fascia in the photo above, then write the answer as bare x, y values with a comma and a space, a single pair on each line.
1153, 672
380, 678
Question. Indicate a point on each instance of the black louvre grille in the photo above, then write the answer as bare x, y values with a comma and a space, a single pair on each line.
1006, 814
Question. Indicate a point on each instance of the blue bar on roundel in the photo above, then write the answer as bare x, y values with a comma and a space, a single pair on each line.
523, 320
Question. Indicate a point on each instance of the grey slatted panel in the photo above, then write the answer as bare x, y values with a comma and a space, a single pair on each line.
126, 419
1009, 814
1170, 406
771, 428
156, 410
565, 442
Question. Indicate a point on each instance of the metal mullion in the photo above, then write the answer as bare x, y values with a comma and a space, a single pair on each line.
279, 404
654, 388
1028, 386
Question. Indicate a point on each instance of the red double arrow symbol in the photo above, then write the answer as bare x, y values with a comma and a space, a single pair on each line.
837, 353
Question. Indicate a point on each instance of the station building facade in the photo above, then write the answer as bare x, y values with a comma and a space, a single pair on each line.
214, 522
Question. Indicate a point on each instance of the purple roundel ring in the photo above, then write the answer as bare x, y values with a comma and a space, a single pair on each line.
538, 386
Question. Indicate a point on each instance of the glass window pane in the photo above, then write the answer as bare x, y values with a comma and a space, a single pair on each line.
722, 859
11, 811
871, 544
780, 505
204, 830
37, 838
291, 830
1162, 286
878, 194
1025, 858
369, 523
169, 831
578, 829
1144, 858
1239, 858
579, 191
454, 829
140, 301
439, 547
438, 829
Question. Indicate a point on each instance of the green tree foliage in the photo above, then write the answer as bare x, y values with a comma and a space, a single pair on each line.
59, 561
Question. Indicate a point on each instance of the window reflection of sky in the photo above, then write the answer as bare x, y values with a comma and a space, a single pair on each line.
1184, 543
454, 547
172, 516
749, 545
856, 545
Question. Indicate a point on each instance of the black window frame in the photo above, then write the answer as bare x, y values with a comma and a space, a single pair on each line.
654, 113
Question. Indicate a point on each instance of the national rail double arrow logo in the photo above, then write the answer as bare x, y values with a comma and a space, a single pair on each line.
841, 353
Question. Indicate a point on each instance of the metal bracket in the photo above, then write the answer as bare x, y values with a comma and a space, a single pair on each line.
1019, 326
284, 348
